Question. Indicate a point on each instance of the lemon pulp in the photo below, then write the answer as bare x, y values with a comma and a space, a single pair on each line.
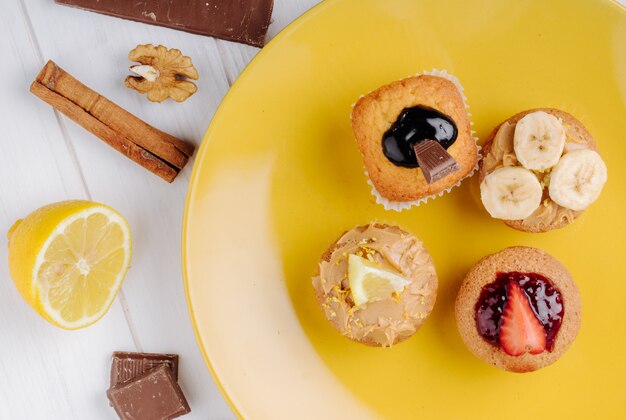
369, 282
82, 251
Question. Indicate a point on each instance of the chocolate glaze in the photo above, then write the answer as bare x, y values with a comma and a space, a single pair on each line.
414, 125
545, 301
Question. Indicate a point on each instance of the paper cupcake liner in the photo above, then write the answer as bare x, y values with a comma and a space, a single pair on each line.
405, 205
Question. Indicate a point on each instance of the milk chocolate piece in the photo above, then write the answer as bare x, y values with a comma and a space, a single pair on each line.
155, 395
434, 160
243, 21
127, 365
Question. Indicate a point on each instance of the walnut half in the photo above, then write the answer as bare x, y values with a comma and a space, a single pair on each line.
162, 73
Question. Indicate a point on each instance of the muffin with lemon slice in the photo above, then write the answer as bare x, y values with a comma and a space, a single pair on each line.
376, 284
68, 260
540, 170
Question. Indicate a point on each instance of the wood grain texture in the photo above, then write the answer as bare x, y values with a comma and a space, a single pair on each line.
48, 373
45, 372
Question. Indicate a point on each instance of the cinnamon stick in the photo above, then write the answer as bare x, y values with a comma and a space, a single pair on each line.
159, 152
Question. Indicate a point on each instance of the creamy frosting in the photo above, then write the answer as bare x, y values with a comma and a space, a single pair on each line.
502, 154
387, 321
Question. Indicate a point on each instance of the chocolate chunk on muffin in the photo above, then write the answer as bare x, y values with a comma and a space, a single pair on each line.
389, 122
518, 309
376, 284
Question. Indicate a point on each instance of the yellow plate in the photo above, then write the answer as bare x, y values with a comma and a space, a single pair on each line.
279, 177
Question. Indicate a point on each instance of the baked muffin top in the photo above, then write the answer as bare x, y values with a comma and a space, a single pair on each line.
524, 329
377, 111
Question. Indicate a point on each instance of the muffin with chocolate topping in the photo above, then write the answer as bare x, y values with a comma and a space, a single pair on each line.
518, 309
376, 284
540, 170
415, 139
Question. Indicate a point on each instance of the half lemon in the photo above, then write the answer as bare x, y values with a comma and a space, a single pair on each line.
68, 260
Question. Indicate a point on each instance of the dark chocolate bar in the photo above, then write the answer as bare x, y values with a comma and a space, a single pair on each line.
127, 365
155, 395
243, 21
434, 161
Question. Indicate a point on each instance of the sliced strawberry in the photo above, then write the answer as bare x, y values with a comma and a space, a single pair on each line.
520, 330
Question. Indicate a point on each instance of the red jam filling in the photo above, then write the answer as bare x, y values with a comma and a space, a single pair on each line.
545, 301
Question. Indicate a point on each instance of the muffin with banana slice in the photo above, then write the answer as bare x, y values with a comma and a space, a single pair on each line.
376, 284
540, 170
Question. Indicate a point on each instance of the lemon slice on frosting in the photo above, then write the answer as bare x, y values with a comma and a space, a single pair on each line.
370, 283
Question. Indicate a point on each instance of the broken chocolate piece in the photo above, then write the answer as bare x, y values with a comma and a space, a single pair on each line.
434, 160
243, 21
154, 395
128, 365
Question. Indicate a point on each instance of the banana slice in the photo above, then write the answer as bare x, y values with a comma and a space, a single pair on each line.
539, 140
577, 180
511, 193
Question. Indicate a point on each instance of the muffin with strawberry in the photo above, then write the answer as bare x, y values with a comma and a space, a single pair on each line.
518, 309
540, 170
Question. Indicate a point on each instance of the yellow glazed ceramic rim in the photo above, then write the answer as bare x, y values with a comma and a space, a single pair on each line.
194, 175
275, 43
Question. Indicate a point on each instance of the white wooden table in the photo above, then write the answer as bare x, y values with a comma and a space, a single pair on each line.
45, 372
